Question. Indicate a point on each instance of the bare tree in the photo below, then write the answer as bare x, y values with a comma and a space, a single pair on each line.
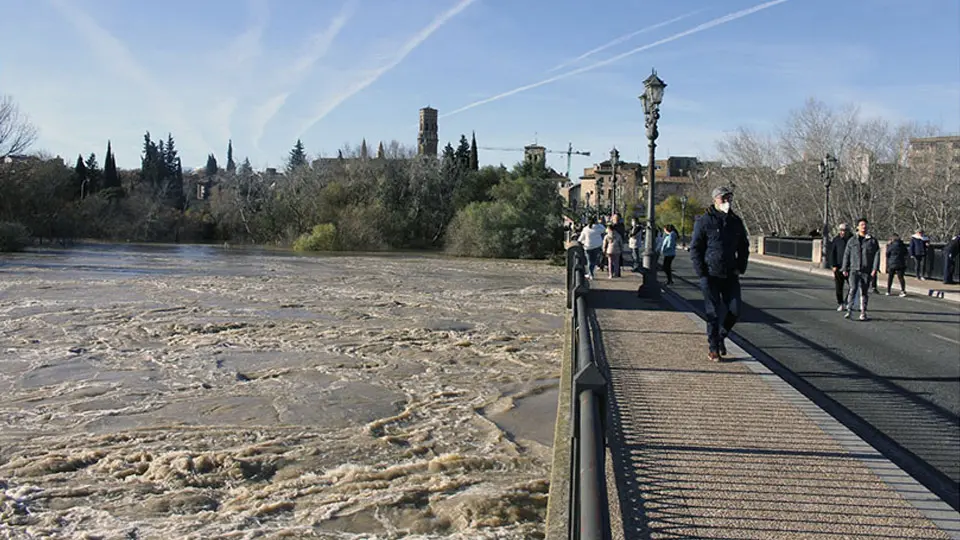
16, 132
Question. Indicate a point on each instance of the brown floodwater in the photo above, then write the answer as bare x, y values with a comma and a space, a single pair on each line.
214, 392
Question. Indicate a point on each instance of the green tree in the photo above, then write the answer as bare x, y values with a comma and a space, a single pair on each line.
211, 169
231, 166
111, 179
94, 174
672, 212
474, 156
363, 149
298, 157
463, 153
80, 178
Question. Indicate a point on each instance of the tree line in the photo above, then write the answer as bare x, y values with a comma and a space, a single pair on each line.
392, 199
779, 189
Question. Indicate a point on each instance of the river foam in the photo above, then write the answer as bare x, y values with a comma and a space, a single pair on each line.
197, 392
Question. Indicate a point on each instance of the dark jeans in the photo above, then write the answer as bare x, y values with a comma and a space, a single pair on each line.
949, 267
668, 267
839, 280
593, 257
637, 258
721, 302
921, 271
859, 286
899, 273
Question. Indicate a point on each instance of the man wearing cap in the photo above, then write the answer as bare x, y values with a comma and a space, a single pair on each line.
835, 257
719, 251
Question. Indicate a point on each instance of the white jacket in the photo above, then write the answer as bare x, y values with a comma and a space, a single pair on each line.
592, 237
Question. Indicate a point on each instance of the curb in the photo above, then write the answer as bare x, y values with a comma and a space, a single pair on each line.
938, 294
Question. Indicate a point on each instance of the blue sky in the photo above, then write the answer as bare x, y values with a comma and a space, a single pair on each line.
331, 72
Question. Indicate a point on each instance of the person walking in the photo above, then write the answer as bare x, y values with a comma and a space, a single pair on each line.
719, 251
668, 248
896, 263
636, 233
951, 252
835, 256
918, 250
861, 261
621, 231
612, 248
591, 238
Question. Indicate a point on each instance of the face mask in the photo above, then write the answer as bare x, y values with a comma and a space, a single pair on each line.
724, 207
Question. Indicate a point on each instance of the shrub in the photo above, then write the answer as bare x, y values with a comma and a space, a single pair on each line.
13, 236
323, 237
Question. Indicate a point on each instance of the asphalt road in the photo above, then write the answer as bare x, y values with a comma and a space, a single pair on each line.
899, 372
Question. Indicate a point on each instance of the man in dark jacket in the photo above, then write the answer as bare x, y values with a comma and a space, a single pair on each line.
861, 261
918, 250
951, 252
896, 263
835, 257
719, 251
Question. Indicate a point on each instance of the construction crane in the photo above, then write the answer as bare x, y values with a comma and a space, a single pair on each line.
570, 152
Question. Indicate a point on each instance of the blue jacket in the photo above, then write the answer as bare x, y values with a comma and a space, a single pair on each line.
719, 247
669, 246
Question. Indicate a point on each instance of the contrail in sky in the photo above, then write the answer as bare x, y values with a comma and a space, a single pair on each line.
623, 38
325, 107
709, 24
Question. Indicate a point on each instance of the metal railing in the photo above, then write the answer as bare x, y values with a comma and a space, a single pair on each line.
589, 515
790, 247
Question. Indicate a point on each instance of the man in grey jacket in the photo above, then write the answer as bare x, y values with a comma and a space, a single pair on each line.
861, 262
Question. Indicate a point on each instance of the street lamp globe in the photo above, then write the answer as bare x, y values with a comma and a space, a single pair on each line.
653, 90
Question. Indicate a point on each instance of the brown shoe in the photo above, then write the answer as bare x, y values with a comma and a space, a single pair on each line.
714, 356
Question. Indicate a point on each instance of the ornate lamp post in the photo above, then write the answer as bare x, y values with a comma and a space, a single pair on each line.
828, 168
614, 159
683, 219
651, 98
599, 197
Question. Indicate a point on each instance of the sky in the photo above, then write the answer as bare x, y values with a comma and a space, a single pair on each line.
332, 72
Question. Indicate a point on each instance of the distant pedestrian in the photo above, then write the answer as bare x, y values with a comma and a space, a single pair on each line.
896, 263
668, 248
951, 252
719, 251
612, 247
621, 229
918, 250
591, 238
636, 232
835, 255
861, 261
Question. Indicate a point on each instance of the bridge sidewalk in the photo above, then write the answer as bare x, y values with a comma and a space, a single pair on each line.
930, 287
729, 450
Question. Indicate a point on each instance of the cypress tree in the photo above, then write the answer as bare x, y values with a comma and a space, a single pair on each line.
231, 166
474, 157
211, 169
111, 179
380, 153
363, 149
80, 178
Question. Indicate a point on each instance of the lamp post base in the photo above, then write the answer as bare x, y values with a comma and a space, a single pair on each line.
649, 287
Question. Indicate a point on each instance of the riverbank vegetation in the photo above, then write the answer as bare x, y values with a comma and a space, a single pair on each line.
357, 201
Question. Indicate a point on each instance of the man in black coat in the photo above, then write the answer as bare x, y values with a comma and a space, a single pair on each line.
951, 252
835, 258
719, 251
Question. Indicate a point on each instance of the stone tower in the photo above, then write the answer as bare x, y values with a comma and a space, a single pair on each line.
428, 137
534, 153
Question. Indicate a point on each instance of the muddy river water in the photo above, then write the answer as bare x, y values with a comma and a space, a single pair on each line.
217, 392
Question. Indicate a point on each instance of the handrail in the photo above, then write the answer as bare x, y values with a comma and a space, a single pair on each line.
589, 515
